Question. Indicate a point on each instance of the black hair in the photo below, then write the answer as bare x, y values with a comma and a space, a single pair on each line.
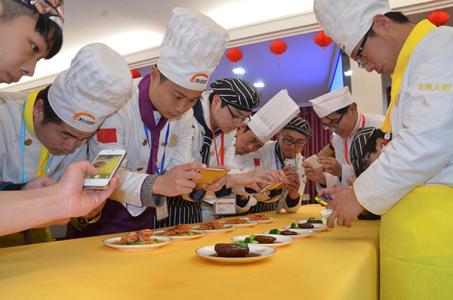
47, 29
395, 16
343, 110
49, 115
162, 77
211, 97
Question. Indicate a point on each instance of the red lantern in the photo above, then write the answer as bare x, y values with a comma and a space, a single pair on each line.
439, 17
278, 47
234, 55
135, 73
323, 40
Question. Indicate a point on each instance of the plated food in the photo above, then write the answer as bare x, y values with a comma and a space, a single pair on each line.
214, 227
141, 240
294, 233
311, 223
260, 218
235, 253
240, 222
270, 240
181, 232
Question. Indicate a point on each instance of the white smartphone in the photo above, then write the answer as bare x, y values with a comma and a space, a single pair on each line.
107, 163
313, 161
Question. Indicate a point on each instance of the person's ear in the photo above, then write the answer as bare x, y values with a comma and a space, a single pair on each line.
38, 110
380, 143
155, 73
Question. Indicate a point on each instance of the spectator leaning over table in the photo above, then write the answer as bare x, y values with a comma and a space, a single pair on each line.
45, 130
411, 183
155, 128
339, 114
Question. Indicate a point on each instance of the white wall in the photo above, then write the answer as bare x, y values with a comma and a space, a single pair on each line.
367, 90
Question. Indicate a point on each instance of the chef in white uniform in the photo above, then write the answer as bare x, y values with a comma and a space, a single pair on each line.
45, 130
411, 183
263, 125
339, 114
156, 129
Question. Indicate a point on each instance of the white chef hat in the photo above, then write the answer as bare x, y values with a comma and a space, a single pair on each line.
273, 116
347, 21
96, 85
192, 48
331, 102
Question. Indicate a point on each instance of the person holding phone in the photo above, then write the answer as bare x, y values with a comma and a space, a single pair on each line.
339, 114
45, 130
155, 128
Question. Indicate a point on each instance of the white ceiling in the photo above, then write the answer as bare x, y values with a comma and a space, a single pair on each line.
136, 26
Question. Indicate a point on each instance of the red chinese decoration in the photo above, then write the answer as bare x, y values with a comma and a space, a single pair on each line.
234, 55
135, 73
323, 40
278, 47
439, 17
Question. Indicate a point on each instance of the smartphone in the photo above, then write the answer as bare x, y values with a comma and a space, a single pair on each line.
106, 163
210, 175
324, 200
313, 161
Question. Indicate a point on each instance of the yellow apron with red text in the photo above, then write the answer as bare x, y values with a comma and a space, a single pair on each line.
416, 246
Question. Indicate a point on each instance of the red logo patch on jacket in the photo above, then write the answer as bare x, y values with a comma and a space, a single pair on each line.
257, 162
106, 135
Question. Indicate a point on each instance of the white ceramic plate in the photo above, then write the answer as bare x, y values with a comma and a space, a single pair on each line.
227, 228
198, 234
266, 221
301, 233
316, 226
243, 225
281, 240
114, 243
208, 252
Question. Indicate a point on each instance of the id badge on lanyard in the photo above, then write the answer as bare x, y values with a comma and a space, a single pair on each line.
225, 206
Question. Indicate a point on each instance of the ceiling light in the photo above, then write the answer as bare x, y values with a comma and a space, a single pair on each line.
239, 71
259, 84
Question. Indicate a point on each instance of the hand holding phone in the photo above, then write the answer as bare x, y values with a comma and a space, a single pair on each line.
106, 163
324, 200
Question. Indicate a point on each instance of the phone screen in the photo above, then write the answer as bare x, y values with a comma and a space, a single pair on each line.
105, 165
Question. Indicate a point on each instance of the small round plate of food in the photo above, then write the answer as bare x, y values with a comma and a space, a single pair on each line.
142, 240
270, 240
294, 233
181, 232
235, 253
214, 227
260, 218
312, 223
306, 227
240, 222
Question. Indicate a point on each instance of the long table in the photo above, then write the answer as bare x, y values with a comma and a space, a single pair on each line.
341, 263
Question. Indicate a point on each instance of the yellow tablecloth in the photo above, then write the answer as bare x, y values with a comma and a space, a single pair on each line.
339, 264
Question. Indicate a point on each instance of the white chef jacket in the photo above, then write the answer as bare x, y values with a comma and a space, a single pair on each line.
421, 150
12, 161
265, 159
342, 148
130, 135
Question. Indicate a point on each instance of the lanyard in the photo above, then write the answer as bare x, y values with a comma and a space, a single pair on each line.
346, 148
220, 162
45, 159
277, 160
415, 37
159, 171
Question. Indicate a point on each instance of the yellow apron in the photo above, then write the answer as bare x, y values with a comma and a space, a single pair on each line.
416, 242
416, 235
37, 235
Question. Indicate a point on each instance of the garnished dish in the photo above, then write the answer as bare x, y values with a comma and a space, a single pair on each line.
141, 240
181, 232
311, 223
214, 227
240, 222
236, 253
264, 239
294, 233
260, 218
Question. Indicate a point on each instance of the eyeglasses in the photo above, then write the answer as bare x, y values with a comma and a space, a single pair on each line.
290, 142
238, 119
362, 61
334, 123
